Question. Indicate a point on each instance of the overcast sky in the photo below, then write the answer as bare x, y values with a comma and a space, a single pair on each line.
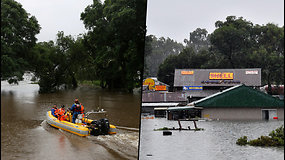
167, 18
177, 18
57, 15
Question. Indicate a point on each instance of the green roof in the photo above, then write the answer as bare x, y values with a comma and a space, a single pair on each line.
240, 96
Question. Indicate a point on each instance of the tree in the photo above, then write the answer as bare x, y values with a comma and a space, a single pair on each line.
240, 44
198, 40
232, 39
115, 41
156, 51
186, 59
58, 65
18, 30
268, 53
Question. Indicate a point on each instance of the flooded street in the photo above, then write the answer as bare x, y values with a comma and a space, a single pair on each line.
217, 141
26, 135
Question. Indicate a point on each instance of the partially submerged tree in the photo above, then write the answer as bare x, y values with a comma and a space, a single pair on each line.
18, 30
57, 64
115, 41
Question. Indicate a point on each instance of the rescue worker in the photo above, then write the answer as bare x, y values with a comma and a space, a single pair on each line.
54, 111
82, 110
68, 116
61, 114
76, 108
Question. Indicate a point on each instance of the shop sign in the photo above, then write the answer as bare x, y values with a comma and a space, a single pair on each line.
192, 88
149, 82
221, 75
187, 72
251, 72
160, 88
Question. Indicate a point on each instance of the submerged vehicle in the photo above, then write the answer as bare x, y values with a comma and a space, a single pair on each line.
83, 126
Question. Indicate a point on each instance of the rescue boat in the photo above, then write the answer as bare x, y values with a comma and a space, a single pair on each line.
91, 127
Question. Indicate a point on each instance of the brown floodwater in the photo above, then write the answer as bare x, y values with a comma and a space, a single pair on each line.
216, 142
26, 135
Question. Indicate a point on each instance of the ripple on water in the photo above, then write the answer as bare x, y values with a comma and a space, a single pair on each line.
217, 141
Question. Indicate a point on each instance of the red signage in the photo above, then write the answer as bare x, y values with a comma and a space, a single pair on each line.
160, 88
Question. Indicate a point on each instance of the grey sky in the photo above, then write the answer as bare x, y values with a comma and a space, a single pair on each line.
177, 18
57, 15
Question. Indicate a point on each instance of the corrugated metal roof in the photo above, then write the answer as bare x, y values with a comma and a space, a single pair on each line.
163, 97
239, 96
200, 93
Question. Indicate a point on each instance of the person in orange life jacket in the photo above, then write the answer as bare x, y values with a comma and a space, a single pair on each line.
54, 111
76, 108
82, 110
61, 114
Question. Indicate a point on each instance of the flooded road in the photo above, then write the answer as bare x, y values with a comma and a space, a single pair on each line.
217, 141
26, 135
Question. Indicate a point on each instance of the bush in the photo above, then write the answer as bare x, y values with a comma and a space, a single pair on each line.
262, 141
278, 136
275, 138
242, 141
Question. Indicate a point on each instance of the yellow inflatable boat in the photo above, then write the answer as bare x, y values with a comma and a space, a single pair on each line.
91, 127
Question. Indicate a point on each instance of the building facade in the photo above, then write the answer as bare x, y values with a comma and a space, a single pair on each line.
241, 103
200, 83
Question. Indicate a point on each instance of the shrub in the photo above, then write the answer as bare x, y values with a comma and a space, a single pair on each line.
242, 141
275, 138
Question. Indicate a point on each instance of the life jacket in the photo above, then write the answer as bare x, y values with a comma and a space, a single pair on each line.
63, 118
61, 112
66, 117
82, 109
55, 111
77, 108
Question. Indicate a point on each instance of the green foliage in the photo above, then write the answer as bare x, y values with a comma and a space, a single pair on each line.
243, 45
115, 40
156, 51
268, 53
161, 129
18, 30
186, 59
262, 141
232, 39
236, 43
275, 138
242, 141
90, 83
57, 64
111, 52
198, 40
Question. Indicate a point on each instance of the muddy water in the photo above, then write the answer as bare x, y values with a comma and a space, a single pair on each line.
216, 142
26, 135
